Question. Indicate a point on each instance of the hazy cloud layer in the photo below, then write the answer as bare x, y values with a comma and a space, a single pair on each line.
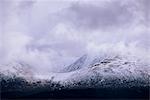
49, 34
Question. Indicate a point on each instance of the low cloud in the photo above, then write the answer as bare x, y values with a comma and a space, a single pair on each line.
49, 35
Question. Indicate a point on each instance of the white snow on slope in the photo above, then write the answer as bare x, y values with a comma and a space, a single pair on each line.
104, 65
18, 69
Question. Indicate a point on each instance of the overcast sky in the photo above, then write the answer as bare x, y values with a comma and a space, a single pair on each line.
50, 34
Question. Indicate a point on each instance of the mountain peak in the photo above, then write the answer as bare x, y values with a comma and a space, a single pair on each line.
16, 68
78, 64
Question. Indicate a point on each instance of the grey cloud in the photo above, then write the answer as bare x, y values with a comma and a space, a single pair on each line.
110, 15
59, 33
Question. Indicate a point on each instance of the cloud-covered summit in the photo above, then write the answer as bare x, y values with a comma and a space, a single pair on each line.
51, 34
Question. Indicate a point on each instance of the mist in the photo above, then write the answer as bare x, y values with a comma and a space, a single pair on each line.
51, 34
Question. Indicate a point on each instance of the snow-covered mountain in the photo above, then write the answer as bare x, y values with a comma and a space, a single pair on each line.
78, 64
117, 66
119, 70
16, 68
98, 68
